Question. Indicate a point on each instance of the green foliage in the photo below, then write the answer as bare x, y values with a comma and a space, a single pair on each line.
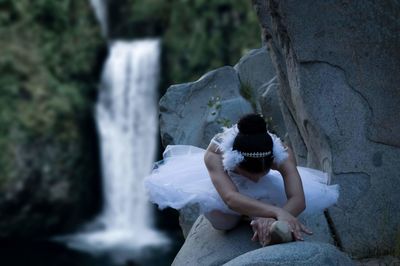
198, 35
49, 49
214, 103
224, 122
204, 35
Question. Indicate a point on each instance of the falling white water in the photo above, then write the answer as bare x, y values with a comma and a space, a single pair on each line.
127, 119
100, 10
127, 123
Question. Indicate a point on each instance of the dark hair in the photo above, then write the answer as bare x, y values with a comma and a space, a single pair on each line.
253, 137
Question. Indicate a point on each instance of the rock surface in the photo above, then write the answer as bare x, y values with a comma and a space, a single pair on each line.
217, 95
270, 105
186, 102
187, 217
294, 253
337, 65
387, 260
319, 227
192, 113
206, 246
259, 85
255, 69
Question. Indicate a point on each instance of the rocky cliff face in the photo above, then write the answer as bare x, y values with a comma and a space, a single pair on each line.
48, 156
337, 85
337, 64
192, 113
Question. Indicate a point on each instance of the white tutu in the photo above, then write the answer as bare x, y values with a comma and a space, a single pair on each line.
182, 178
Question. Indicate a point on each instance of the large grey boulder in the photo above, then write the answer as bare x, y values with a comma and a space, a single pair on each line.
259, 85
206, 246
294, 253
270, 105
192, 113
319, 227
386, 260
187, 217
337, 65
255, 69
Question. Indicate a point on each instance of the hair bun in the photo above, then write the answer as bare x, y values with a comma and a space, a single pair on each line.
252, 124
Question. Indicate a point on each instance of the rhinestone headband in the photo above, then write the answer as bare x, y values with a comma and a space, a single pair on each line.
232, 158
255, 154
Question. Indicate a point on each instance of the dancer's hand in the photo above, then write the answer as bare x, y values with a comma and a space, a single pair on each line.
295, 226
261, 228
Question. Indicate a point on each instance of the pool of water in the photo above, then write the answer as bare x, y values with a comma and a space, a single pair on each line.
48, 253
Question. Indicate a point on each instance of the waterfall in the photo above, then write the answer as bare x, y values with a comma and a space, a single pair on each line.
100, 10
127, 122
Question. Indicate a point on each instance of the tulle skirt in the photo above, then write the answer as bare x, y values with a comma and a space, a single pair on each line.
181, 178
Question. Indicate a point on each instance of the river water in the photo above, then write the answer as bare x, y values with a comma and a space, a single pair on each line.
50, 253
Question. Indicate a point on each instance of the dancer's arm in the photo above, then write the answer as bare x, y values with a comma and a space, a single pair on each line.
241, 203
293, 187
228, 191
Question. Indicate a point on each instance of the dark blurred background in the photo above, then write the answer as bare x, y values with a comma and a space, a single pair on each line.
52, 54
